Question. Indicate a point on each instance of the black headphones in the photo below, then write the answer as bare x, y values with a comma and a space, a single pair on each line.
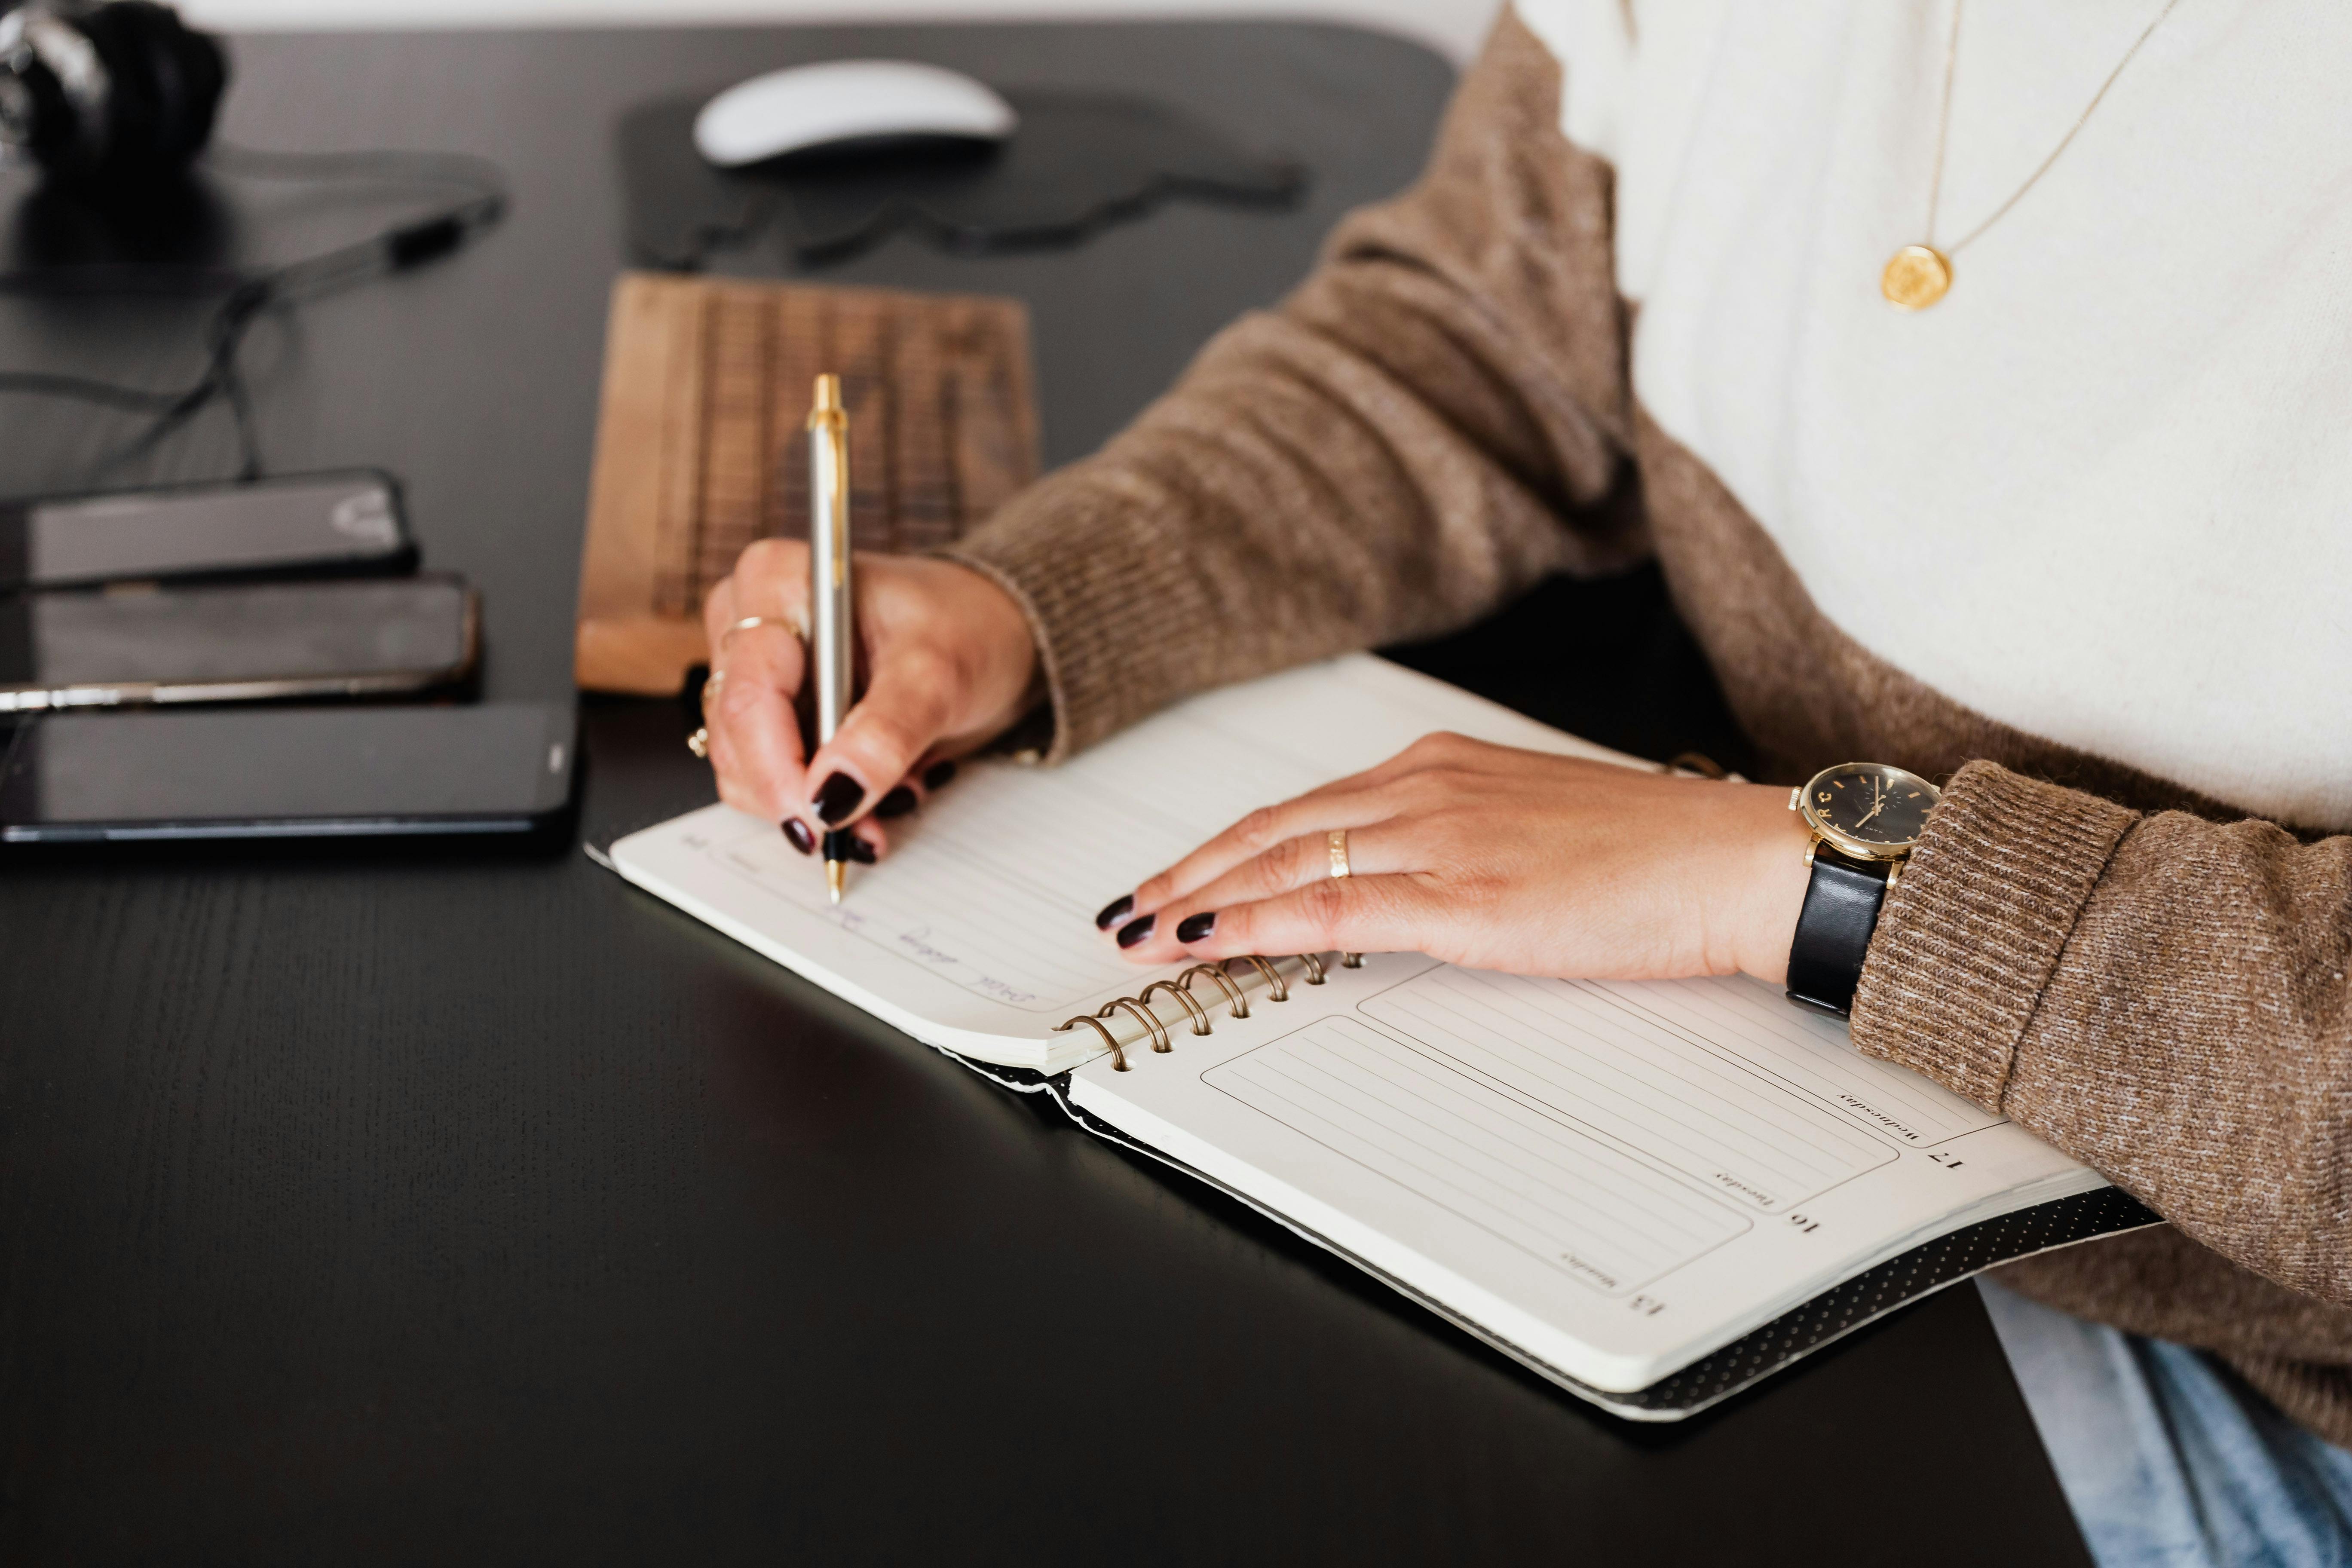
116, 93
115, 99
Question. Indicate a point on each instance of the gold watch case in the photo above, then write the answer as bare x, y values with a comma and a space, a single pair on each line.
1865, 811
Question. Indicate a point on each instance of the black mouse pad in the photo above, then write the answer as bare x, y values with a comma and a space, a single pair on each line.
1077, 162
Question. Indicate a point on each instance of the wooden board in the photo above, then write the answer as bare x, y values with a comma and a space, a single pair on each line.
700, 451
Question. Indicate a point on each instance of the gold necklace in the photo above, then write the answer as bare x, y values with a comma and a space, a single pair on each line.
1918, 275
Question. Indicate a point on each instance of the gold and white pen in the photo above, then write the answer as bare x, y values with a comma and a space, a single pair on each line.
833, 640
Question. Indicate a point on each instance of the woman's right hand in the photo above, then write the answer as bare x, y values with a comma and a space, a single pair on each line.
948, 666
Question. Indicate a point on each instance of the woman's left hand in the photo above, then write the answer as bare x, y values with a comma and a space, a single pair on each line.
1497, 859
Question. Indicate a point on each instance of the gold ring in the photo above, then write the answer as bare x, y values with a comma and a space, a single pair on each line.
1337, 841
748, 622
710, 685
699, 743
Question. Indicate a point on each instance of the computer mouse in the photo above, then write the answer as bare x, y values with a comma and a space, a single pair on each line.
844, 102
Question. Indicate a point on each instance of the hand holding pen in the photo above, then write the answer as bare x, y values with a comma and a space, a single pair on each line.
950, 662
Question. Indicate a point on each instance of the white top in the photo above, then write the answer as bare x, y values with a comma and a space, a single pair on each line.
2103, 492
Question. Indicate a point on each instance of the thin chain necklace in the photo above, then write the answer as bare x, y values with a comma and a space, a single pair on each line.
1918, 275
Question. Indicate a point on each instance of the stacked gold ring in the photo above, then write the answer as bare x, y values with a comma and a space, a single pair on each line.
748, 622
700, 741
1337, 842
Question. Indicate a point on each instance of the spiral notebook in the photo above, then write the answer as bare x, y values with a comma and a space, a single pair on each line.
1651, 1194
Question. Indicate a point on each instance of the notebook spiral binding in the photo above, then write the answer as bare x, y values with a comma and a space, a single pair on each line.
1139, 1007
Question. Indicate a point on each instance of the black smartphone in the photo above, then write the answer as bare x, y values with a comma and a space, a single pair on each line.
315, 525
235, 643
284, 772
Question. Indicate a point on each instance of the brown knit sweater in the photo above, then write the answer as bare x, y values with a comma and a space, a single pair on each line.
1441, 416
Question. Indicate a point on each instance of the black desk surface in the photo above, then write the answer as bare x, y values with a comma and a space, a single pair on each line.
381, 1206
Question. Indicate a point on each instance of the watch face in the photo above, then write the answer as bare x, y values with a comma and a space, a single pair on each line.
1872, 805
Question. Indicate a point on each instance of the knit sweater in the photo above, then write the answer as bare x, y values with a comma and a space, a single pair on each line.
2129, 937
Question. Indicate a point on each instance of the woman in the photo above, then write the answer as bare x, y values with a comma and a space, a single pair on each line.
1981, 383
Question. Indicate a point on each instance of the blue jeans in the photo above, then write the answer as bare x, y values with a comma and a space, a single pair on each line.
2167, 1458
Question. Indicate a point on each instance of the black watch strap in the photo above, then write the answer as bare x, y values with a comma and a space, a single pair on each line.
1833, 932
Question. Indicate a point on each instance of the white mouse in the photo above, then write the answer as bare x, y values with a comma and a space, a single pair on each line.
842, 101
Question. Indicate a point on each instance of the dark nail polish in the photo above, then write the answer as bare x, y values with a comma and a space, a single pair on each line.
1134, 931
939, 775
1114, 911
1193, 927
842, 845
838, 801
798, 833
898, 802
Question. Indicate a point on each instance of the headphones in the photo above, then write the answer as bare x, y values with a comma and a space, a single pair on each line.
116, 99
116, 93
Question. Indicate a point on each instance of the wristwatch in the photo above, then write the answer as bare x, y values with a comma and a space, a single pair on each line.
1866, 818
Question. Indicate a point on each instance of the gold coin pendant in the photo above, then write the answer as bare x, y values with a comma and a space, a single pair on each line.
1916, 277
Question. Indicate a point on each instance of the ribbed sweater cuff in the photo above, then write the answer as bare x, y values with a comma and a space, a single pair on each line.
1968, 939
1110, 599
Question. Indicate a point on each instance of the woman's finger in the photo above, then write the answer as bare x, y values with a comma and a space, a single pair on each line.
769, 581
1383, 849
1397, 913
926, 779
1355, 801
868, 842
755, 738
1315, 812
901, 714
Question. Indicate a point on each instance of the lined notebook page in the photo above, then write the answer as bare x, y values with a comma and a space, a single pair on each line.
1507, 1165
979, 927
1633, 1173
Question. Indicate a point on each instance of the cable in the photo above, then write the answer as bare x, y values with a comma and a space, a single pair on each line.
481, 177
479, 174
246, 296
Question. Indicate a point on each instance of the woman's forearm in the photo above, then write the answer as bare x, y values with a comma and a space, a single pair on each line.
2162, 997
1421, 430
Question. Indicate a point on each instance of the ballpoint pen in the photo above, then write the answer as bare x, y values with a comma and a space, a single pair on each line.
832, 640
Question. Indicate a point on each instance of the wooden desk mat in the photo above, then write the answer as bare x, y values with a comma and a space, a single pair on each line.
701, 447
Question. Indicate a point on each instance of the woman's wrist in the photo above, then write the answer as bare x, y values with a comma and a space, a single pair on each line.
1771, 879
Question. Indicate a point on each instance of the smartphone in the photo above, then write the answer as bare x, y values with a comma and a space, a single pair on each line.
282, 772
235, 643
315, 525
